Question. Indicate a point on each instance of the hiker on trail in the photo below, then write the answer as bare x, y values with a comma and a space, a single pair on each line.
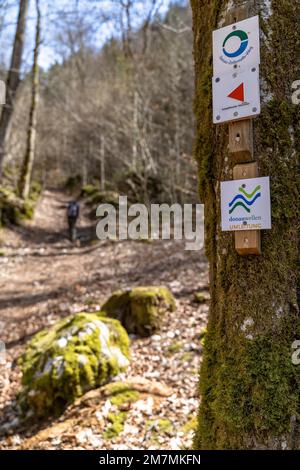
73, 213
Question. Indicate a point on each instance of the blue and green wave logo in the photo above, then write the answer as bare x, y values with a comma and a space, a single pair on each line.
243, 36
244, 199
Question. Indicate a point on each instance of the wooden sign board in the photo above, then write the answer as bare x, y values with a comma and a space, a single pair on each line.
240, 144
247, 242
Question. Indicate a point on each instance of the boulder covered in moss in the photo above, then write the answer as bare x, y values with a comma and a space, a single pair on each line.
75, 355
104, 197
95, 196
141, 309
89, 190
13, 209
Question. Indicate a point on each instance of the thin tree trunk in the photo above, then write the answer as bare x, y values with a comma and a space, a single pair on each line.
135, 130
248, 384
102, 164
26, 172
84, 172
13, 80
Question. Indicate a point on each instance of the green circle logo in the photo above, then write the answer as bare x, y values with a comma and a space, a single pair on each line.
243, 36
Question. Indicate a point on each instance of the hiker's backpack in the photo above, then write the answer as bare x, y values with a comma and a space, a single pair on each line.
73, 209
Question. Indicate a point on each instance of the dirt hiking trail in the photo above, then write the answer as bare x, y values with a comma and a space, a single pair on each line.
43, 277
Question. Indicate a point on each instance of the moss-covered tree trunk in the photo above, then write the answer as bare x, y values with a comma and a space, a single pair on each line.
249, 386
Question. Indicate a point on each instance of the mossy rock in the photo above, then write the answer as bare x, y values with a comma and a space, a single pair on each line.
201, 297
13, 209
140, 310
104, 197
95, 196
62, 363
89, 190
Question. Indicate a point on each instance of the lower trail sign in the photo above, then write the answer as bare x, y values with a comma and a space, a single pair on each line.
236, 96
245, 204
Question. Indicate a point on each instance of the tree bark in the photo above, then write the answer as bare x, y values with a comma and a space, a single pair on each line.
13, 79
102, 164
248, 384
135, 131
26, 172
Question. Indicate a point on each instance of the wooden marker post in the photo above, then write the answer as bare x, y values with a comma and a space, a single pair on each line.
241, 150
247, 242
241, 141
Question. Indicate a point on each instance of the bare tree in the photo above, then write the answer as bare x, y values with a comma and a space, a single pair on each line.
140, 107
102, 164
13, 79
25, 177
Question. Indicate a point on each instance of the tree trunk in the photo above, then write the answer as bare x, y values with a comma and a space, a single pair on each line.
135, 131
26, 172
102, 164
248, 384
13, 79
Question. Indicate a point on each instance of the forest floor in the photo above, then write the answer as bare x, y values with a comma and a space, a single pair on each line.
43, 277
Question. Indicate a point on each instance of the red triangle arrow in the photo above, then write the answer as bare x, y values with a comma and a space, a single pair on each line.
238, 93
